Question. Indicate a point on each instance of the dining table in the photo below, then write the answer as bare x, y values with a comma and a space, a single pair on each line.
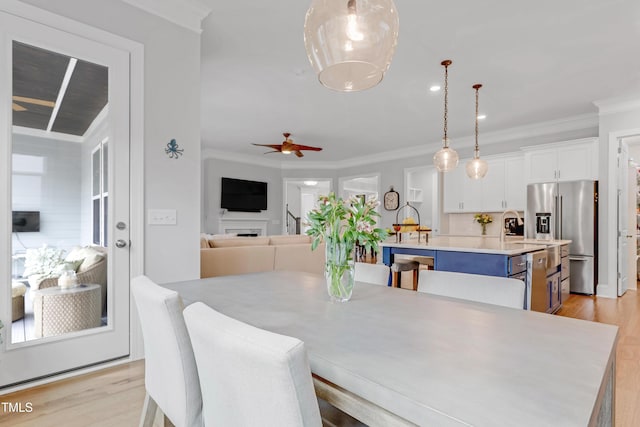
391, 356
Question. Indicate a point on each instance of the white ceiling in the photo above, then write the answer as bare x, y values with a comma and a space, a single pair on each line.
538, 61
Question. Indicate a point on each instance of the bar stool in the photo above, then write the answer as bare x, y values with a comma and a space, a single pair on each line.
404, 265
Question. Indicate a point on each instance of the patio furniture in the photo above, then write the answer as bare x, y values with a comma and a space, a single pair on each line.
17, 300
57, 311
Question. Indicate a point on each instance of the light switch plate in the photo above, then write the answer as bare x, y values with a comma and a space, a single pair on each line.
162, 217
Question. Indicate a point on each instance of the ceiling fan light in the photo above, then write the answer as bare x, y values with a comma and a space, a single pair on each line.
477, 168
350, 43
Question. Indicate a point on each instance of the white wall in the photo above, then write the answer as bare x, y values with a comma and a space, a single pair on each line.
60, 193
171, 110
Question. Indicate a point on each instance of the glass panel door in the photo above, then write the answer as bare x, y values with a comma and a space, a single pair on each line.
68, 128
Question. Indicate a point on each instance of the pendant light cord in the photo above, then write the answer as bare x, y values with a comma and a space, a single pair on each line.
477, 87
446, 64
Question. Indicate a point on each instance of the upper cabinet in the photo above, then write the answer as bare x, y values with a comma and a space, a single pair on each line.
564, 161
461, 193
502, 188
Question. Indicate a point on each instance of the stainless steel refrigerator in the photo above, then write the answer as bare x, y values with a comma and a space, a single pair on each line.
568, 211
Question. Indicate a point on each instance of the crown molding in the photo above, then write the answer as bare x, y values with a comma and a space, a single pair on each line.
185, 13
551, 127
618, 105
210, 153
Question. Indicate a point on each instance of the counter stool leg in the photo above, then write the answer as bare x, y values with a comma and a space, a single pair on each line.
415, 279
395, 279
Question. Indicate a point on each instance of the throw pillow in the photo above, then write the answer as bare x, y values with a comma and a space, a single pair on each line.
67, 265
90, 261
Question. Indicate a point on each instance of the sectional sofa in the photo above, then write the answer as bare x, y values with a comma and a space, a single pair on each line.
224, 256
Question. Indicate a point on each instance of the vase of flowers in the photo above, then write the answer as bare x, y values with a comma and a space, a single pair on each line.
340, 224
483, 219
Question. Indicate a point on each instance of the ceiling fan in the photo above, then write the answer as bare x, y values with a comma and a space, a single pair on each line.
288, 146
25, 100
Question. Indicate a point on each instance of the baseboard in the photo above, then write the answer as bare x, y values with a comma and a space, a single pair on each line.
64, 375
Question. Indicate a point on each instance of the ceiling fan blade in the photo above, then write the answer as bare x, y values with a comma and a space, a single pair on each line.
34, 101
307, 147
298, 153
276, 147
17, 107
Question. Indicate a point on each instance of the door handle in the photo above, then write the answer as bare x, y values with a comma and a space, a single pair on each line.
120, 243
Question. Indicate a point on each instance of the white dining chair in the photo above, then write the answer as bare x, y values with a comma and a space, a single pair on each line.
474, 287
171, 377
250, 376
377, 274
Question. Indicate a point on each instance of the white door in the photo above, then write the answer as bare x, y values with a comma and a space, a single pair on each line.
624, 235
632, 244
65, 183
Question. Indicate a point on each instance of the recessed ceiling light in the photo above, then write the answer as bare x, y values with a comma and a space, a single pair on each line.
434, 88
310, 183
482, 116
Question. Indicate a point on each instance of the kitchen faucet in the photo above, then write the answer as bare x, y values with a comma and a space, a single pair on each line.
520, 222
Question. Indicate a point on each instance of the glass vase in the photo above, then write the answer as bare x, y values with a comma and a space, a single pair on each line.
338, 270
484, 229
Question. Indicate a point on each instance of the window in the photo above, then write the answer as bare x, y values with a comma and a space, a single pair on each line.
100, 192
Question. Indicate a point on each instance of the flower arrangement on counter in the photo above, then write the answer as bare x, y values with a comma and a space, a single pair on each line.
483, 219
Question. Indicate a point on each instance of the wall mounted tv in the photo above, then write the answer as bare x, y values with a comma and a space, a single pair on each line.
25, 221
243, 196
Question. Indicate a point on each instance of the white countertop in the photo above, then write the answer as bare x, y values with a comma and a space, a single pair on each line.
478, 244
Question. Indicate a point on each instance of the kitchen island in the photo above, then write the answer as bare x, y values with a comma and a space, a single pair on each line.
476, 255
489, 256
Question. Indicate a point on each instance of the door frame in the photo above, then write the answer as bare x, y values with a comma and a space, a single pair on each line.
285, 194
136, 184
607, 286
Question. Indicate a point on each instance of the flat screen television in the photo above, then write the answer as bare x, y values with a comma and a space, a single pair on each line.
241, 195
25, 221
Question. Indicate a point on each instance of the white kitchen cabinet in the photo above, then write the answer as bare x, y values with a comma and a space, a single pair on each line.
461, 193
564, 161
493, 199
515, 187
502, 188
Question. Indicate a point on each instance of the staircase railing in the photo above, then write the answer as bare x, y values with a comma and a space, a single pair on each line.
293, 223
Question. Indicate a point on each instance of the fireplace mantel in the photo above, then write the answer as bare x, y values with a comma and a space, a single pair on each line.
243, 226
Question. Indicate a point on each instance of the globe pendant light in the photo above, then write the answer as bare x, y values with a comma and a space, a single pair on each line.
477, 168
446, 158
350, 43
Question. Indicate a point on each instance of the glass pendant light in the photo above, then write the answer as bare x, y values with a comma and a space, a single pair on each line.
446, 158
350, 43
477, 168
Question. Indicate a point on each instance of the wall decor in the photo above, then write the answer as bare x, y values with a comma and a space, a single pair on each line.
391, 200
173, 150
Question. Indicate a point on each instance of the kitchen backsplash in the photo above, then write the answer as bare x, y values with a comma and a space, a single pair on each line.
463, 224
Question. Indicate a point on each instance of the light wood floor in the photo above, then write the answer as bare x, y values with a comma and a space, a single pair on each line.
113, 397
625, 313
